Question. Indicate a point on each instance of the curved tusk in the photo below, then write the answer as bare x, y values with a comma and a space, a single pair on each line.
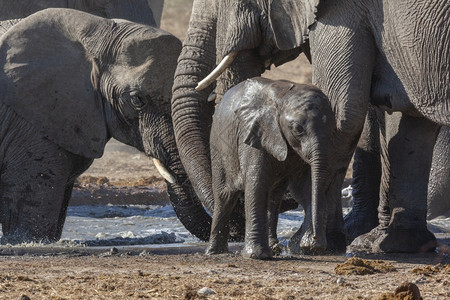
225, 63
163, 171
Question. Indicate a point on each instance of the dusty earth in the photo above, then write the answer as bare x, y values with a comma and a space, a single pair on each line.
125, 176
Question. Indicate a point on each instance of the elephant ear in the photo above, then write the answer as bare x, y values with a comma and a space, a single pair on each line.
52, 84
290, 21
259, 121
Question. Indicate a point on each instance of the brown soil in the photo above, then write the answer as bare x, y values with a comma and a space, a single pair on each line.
184, 273
124, 175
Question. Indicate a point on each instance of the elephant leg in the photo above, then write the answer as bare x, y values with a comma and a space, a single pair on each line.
366, 180
275, 199
35, 191
300, 188
79, 165
225, 201
257, 191
406, 165
439, 184
335, 234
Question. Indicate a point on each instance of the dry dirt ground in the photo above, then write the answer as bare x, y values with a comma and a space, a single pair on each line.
126, 176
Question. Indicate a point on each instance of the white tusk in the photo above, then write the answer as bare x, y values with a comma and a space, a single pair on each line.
222, 66
212, 97
163, 171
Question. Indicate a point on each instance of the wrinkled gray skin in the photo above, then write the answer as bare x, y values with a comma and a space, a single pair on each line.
141, 11
390, 54
265, 136
108, 78
367, 175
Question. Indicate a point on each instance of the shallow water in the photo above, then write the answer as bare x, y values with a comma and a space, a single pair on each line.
108, 225
116, 225
128, 225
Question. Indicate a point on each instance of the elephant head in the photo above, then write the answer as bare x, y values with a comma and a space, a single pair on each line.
249, 35
81, 79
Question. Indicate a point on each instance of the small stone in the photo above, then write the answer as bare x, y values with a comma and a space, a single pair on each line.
113, 251
25, 297
340, 281
205, 291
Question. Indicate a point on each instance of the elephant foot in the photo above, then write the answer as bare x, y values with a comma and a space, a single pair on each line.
359, 222
395, 240
255, 251
303, 242
216, 248
23, 236
25, 231
364, 242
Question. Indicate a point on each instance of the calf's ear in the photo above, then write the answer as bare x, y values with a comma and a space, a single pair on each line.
259, 122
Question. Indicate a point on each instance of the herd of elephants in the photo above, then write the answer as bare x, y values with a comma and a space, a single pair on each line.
235, 149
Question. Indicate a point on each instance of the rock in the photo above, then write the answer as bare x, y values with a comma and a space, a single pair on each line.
205, 291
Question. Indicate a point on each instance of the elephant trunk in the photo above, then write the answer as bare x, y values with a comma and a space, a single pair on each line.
319, 179
162, 147
191, 112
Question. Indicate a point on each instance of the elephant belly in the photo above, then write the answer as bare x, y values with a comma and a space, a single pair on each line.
412, 36
387, 91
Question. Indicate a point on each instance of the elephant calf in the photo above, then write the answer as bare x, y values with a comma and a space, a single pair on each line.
69, 81
268, 136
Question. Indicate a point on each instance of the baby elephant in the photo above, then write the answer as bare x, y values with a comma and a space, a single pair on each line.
264, 137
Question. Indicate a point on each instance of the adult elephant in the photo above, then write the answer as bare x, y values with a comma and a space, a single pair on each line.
142, 11
380, 52
59, 108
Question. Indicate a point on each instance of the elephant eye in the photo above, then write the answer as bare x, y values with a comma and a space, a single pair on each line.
137, 102
298, 129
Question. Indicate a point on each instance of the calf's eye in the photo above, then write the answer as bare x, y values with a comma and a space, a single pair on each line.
298, 129
137, 102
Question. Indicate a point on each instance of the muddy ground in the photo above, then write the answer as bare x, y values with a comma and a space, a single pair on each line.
126, 176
